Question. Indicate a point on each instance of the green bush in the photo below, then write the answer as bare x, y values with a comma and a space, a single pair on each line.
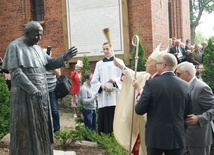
141, 60
104, 141
67, 138
86, 68
208, 63
79, 120
4, 107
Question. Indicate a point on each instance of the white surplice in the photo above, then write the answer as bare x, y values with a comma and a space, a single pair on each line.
103, 72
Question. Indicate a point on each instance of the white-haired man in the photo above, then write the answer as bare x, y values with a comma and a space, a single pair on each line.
199, 133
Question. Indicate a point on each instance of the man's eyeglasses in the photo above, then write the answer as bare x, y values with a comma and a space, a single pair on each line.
179, 74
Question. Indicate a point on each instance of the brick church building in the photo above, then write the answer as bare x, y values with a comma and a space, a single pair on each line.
155, 20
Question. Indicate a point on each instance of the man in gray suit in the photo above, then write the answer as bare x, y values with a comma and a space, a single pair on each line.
166, 100
199, 133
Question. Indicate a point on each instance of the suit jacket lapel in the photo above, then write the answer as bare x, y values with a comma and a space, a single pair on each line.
192, 84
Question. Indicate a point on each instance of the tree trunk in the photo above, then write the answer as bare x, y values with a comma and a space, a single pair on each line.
195, 22
193, 34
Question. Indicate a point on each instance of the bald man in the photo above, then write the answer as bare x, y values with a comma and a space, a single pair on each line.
166, 100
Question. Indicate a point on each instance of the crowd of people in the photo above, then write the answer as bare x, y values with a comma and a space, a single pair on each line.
178, 106
187, 52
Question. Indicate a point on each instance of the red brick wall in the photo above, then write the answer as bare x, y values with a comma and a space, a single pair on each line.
14, 15
140, 22
148, 18
185, 20
12, 23
160, 24
53, 28
180, 19
174, 9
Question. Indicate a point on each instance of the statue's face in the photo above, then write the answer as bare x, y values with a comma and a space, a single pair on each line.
35, 35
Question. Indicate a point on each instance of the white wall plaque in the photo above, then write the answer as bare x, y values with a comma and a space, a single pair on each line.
86, 21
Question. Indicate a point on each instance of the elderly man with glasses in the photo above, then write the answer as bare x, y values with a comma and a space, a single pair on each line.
199, 133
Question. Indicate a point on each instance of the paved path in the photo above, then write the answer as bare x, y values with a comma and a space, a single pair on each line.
67, 121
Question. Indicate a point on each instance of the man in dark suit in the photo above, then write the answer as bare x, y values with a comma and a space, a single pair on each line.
199, 133
178, 51
166, 100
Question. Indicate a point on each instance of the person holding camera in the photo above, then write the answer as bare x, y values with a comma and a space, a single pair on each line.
52, 76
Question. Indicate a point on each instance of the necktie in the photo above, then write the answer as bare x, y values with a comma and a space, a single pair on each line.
177, 50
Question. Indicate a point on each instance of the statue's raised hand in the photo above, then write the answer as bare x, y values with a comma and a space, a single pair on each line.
70, 53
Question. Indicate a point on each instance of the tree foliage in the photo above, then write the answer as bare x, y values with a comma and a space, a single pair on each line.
141, 59
68, 138
199, 38
4, 107
86, 68
208, 63
105, 141
197, 8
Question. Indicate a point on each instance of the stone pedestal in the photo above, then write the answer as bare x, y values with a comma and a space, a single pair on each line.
57, 152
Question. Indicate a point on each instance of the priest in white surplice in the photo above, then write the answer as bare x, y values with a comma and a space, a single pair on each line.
106, 84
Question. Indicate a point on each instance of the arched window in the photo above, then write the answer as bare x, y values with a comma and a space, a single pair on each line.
38, 10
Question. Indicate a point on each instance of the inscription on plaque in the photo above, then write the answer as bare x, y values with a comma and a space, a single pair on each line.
86, 21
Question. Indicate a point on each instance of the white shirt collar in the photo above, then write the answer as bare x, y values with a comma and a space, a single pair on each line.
154, 75
166, 72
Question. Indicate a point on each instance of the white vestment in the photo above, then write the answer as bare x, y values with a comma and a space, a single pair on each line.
123, 113
103, 72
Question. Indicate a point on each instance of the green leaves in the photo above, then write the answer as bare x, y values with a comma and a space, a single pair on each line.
4, 107
105, 141
208, 63
86, 68
141, 60
197, 8
67, 138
